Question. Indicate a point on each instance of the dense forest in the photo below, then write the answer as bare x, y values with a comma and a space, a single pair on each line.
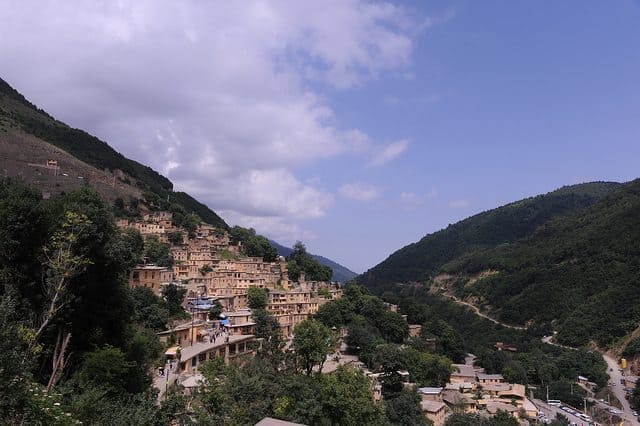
578, 273
564, 261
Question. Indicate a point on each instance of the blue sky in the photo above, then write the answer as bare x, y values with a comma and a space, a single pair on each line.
355, 126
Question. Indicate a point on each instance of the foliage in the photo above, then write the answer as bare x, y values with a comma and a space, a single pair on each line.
253, 245
404, 409
244, 395
106, 368
312, 342
299, 261
419, 261
635, 396
257, 297
149, 310
175, 237
632, 348
174, 297
268, 330
157, 252
467, 419
215, 311
205, 270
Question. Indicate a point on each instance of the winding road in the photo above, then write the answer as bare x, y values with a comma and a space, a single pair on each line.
480, 314
614, 373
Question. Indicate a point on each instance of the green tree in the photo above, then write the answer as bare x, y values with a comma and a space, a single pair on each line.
404, 409
175, 237
346, 398
502, 418
106, 368
635, 397
268, 330
257, 297
149, 310
301, 261
215, 311
312, 342
174, 297
156, 251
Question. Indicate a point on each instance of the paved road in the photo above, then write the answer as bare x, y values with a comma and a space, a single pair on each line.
618, 390
615, 375
551, 412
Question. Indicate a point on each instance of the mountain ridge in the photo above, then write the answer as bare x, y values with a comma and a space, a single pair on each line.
566, 261
340, 273
84, 159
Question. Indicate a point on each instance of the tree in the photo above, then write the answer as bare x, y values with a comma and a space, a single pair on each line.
156, 251
174, 297
215, 311
268, 329
205, 270
300, 261
635, 396
175, 237
257, 297
65, 258
404, 409
502, 418
345, 397
106, 368
467, 419
312, 342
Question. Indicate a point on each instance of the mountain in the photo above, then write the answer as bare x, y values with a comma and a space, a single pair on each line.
422, 260
29, 137
567, 261
340, 273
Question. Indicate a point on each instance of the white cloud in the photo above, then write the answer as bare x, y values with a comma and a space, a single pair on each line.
460, 204
411, 200
389, 152
360, 191
215, 94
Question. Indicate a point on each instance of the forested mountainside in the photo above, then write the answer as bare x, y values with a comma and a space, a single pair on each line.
580, 273
340, 273
21, 122
421, 261
566, 261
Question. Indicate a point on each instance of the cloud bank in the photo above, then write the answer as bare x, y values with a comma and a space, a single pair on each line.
226, 98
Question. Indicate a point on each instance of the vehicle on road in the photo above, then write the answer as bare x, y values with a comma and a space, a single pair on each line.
554, 402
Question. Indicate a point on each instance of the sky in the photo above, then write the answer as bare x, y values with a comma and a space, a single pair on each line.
355, 126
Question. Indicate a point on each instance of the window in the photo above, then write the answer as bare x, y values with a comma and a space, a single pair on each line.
202, 357
194, 361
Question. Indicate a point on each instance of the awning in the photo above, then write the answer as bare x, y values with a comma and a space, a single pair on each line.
172, 351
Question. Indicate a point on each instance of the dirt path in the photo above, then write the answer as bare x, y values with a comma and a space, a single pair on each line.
480, 314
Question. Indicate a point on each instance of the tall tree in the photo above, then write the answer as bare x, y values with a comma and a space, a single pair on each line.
312, 342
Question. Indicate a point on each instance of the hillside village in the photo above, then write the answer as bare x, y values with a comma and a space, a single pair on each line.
213, 271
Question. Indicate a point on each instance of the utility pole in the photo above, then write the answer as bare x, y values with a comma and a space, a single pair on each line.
547, 393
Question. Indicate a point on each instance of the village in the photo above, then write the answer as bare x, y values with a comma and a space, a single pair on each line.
214, 272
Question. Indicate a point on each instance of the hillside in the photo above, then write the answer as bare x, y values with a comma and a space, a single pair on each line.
340, 273
579, 273
565, 261
421, 261
29, 137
